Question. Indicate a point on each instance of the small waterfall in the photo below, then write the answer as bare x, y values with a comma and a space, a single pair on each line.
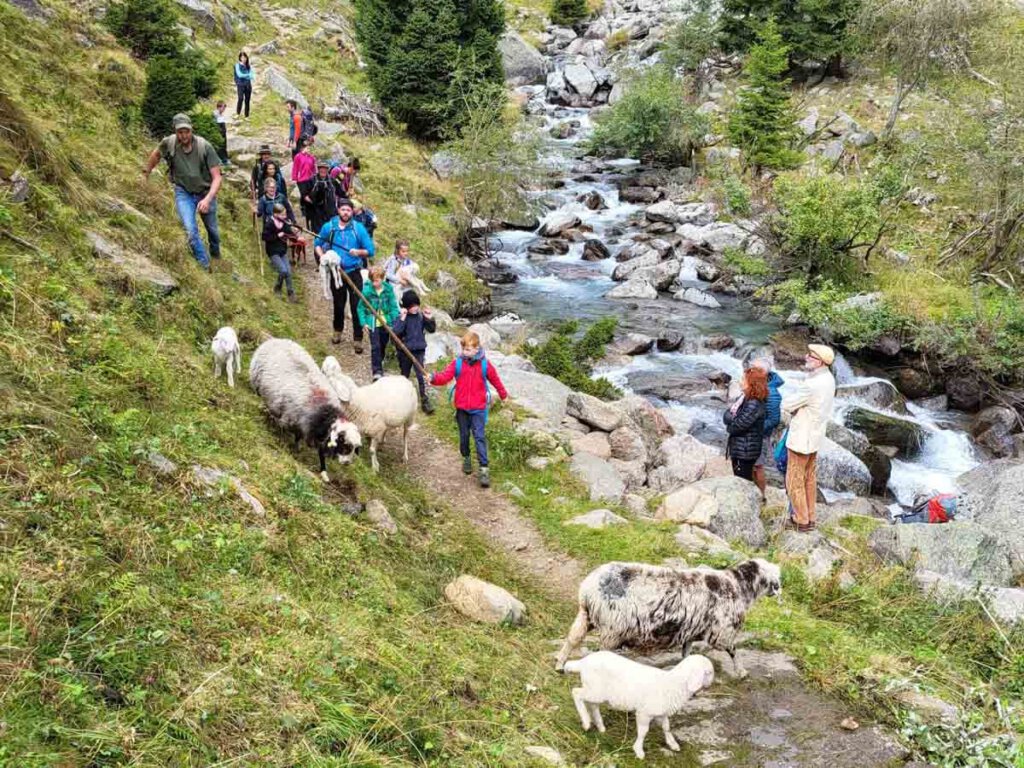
842, 371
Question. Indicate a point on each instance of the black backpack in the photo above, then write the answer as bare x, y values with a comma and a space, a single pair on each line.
309, 128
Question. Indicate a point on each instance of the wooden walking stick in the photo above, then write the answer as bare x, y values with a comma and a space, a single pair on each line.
259, 243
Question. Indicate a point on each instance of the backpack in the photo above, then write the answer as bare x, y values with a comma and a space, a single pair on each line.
309, 128
483, 370
200, 143
940, 508
781, 455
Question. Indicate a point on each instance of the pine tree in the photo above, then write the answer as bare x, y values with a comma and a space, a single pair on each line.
761, 124
169, 90
568, 12
148, 27
423, 56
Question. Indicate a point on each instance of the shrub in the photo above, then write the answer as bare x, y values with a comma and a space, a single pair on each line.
740, 262
169, 90
147, 27
204, 125
652, 121
568, 12
201, 70
692, 40
571, 360
761, 124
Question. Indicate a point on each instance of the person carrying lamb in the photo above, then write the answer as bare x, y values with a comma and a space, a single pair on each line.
382, 312
413, 323
472, 372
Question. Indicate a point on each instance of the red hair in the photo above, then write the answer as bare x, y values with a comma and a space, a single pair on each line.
755, 383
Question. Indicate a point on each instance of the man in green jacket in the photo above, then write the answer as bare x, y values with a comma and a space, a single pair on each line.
381, 313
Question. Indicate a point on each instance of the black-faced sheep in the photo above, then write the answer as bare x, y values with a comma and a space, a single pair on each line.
652, 607
388, 403
302, 401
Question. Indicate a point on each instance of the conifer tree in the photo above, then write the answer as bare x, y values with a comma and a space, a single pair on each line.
169, 90
568, 12
761, 124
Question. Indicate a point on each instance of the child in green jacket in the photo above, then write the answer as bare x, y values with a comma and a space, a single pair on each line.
381, 297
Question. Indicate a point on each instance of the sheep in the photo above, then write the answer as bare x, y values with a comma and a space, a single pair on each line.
627, 686
226, 354
302, 401
330, 270
387, 403
654, 607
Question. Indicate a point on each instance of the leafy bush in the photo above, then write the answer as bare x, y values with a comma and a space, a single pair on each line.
169, 90
571, 360
827, 225
568, 12
201, 70
737, 260
147, 27
761, 124
652, 121
204, 125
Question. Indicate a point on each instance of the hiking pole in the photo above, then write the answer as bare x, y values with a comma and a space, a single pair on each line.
352, 287
259, 244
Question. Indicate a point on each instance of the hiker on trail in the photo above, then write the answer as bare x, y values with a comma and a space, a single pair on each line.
413, 324
259, 169
744, 421
811, 408
194, 169
400, 270
277, 231
303, 171
244, 77
772, 418
294, 126
272, 197
364, 216
349, 240
382, 312
472, 371
323, 205
346, 175
220, 117
308, 128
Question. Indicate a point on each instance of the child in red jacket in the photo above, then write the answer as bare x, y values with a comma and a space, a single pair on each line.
471, 372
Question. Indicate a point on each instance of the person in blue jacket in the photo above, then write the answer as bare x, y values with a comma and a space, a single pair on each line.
350, 240
413, 325
243, 83
772, 418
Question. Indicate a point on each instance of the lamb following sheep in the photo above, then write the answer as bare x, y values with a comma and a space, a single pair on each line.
388, 403
624, 685
226, 354
653, 607
302, 401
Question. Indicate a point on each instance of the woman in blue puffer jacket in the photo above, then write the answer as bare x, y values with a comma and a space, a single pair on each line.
243, 82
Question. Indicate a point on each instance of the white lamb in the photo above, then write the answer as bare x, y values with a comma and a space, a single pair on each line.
330, 272
627, 686
226, 354
388, 403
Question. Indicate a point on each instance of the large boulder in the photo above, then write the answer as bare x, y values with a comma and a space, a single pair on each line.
670, 386
597, 518
878, 394
1006, 603
602, 481
840, 470
624, 269
992, 429
276, 80
595, 250
524, 64
992, 495
593, 412
649, 423
693, 539
200, 12
885, 429
965, 392
731, 505
627, 444
718, 236
489, 338
485, 602
544, 395
960, 550
696, 296
557, 223
581, 80
637, 288
595, 443
877, 462
137, 267
679, 461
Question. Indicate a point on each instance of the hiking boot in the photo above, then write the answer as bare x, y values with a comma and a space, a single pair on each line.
484, 477
467, 465
293, 299
427, 406
277, 289
357, 347
336, 338
377, 376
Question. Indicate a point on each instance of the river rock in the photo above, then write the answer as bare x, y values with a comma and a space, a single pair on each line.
524, 64
276, 80
543, 395
879, 394
960, 550
639, 194
477, 306
597, 518
885, 429
602, 481
495, 271
669, 386
840, 470
593, 412
581, 80
965, 393
592, 200
693, 539
679, 460
697, 296
632, 344
137, 267
595, 443
877, 462
669, 341
664, 211
595, 250
992, 494
627, 444
484, 602
991, 429
718, 236
558, 223
624, 269
637, 288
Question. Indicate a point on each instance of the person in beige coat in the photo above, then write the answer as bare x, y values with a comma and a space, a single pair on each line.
810, 407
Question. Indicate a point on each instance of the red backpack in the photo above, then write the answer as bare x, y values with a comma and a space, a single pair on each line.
942, 508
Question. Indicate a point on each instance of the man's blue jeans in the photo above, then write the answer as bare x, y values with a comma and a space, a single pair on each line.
186, 203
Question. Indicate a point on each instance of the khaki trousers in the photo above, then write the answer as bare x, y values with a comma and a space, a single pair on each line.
802, 485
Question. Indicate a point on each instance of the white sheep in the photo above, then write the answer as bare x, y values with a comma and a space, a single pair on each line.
302, 401
226, 354
388, 403
628, 686
330, 271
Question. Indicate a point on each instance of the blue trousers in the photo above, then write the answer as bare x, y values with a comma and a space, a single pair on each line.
284, 271
378, 345
187, 203
472, 422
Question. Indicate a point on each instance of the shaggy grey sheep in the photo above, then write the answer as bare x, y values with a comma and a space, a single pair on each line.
653, 607
388, 403
302, 401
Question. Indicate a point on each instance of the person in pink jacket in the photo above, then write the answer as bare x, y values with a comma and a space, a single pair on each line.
303, 173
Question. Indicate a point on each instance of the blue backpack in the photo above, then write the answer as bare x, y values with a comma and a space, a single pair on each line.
483, 370
781, 455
